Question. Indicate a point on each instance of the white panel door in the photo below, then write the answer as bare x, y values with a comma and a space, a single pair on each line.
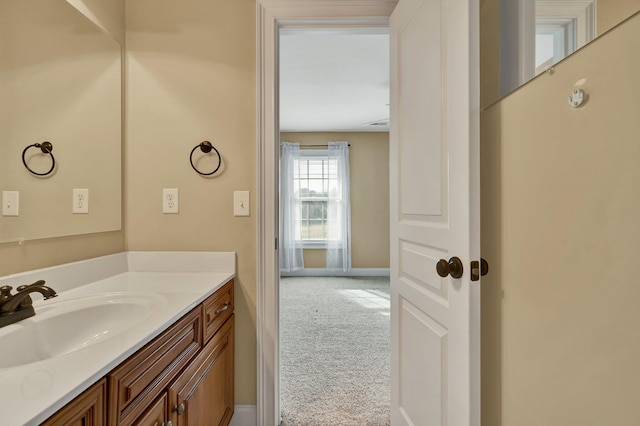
434, 165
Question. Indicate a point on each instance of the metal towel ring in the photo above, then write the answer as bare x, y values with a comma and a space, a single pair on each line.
205, 147
46, 147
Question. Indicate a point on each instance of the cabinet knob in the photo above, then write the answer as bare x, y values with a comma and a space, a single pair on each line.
179, 408
169, 423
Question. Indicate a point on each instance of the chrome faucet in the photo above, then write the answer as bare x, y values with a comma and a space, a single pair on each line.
16, 307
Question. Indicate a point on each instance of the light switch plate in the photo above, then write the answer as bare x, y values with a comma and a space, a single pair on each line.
241, 203
10, 203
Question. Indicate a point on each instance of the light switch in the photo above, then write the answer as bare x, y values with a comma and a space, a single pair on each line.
241, 203
10, 203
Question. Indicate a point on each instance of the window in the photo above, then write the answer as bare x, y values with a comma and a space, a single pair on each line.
311, 182
315, 210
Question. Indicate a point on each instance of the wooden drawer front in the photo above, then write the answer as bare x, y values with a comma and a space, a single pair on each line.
136, 382
206, 387
217, 308
87, 409
156, 415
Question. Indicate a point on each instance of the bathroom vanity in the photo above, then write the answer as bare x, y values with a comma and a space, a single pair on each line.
148, 339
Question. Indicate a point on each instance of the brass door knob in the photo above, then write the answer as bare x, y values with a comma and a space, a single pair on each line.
453, 267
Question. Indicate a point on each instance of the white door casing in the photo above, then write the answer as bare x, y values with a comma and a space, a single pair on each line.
271, 15
434, 206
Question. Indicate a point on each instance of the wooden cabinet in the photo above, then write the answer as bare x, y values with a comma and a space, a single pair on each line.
182, 377
203, 394
88, 409
138, 381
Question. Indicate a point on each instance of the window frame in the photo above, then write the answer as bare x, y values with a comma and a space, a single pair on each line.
314, 244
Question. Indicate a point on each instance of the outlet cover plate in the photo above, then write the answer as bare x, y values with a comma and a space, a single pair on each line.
80, 201
170, 200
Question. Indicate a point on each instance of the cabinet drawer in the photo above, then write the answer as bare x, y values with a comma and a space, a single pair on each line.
156, 415
139, 380
217, 309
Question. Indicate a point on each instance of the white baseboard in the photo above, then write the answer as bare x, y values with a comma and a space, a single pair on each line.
244, 415
322, 272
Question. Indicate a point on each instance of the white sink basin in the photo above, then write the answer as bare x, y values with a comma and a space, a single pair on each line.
64, 326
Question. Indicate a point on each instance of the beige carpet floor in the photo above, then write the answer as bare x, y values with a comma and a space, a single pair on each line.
335, 349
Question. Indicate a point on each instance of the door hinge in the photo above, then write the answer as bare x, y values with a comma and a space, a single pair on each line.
479, 269
276, 244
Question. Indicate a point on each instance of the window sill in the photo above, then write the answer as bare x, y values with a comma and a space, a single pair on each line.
314, 245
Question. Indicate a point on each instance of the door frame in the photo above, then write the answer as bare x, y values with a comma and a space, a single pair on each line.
271, 15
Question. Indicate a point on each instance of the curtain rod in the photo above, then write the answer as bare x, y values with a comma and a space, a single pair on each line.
317, 146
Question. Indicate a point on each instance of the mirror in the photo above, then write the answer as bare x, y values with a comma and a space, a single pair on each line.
537, 34
60, 81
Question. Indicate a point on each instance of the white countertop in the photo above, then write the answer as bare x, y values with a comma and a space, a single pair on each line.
30, 393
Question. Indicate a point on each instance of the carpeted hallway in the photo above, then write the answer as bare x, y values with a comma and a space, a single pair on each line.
335, 351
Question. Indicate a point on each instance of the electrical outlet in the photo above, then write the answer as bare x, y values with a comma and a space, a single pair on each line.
10, 203
170, 200
80, 200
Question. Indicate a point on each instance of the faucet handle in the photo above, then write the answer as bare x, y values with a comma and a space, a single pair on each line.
5, 290
37, 283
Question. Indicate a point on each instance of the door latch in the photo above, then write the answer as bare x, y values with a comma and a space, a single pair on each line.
479, 269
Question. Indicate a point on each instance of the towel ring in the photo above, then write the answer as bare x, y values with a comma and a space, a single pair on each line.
205, 147
46, 148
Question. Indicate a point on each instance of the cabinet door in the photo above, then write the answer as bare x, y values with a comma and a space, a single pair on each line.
203, 394
88, 409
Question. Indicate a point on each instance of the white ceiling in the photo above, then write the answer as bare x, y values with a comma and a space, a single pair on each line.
334, 80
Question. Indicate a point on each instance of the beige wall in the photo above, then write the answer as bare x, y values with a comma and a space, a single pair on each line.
107, 14
560, 229
191, 77
612, 12
369, 169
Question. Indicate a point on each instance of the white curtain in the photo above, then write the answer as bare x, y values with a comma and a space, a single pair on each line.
290, 211
339, 208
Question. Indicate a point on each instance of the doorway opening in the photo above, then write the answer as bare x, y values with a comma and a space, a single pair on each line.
334, 313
